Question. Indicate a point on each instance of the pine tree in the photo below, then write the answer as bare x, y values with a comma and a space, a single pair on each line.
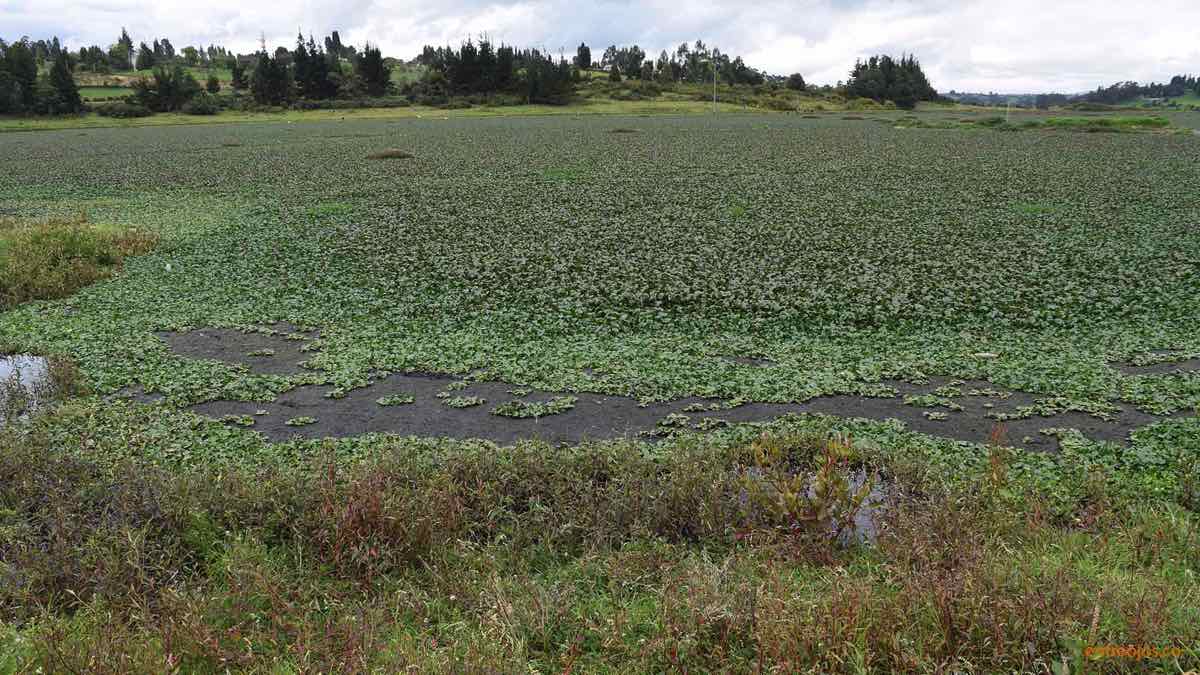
166, 89
145, 57
466, 76
300, 67
486, 60
583, 56
10, 92
237, 75
320, 85
614, 73
64, 85
505, 67
270, 83
370, 67
663, 71
122, 51
22, 67
212, 85
883, 78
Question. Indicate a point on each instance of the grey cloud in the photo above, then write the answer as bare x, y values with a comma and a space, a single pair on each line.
1018, 45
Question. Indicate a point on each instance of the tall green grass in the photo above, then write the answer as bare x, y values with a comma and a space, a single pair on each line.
1112, 122
54, 258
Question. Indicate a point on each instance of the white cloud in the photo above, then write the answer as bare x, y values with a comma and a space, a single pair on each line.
1014, 46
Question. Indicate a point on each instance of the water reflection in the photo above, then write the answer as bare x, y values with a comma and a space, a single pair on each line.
24, 381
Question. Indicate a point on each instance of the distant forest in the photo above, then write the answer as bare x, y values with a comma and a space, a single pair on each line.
1114, 94
38, 77
1120, 92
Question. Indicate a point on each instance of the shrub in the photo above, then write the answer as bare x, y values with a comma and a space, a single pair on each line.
205, 104
862, 104
123, 110
166, 89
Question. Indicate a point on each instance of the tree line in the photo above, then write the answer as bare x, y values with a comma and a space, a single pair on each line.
1122, 92
530, 74
317, 70
123, 55
694, 63
311, 71
536, 76
23, 89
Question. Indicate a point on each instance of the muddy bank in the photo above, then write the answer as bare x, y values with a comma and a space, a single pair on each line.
438, 405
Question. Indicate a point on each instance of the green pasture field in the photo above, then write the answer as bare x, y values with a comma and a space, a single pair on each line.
200, 73
547, 250
103, 92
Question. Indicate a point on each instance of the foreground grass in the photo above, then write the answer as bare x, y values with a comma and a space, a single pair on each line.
447, 557
53, 258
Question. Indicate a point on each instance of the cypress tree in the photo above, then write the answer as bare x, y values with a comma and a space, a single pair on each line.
10, 94
237, 75
883, 78
22, 67
64, 85
145, 57
487, 66
300, 68
370, 67
320, 85
505, 67
270, 82
124, 51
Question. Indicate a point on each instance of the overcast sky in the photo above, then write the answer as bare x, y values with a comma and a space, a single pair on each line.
1008, 46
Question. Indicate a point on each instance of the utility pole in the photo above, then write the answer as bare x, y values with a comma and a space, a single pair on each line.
713, 63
